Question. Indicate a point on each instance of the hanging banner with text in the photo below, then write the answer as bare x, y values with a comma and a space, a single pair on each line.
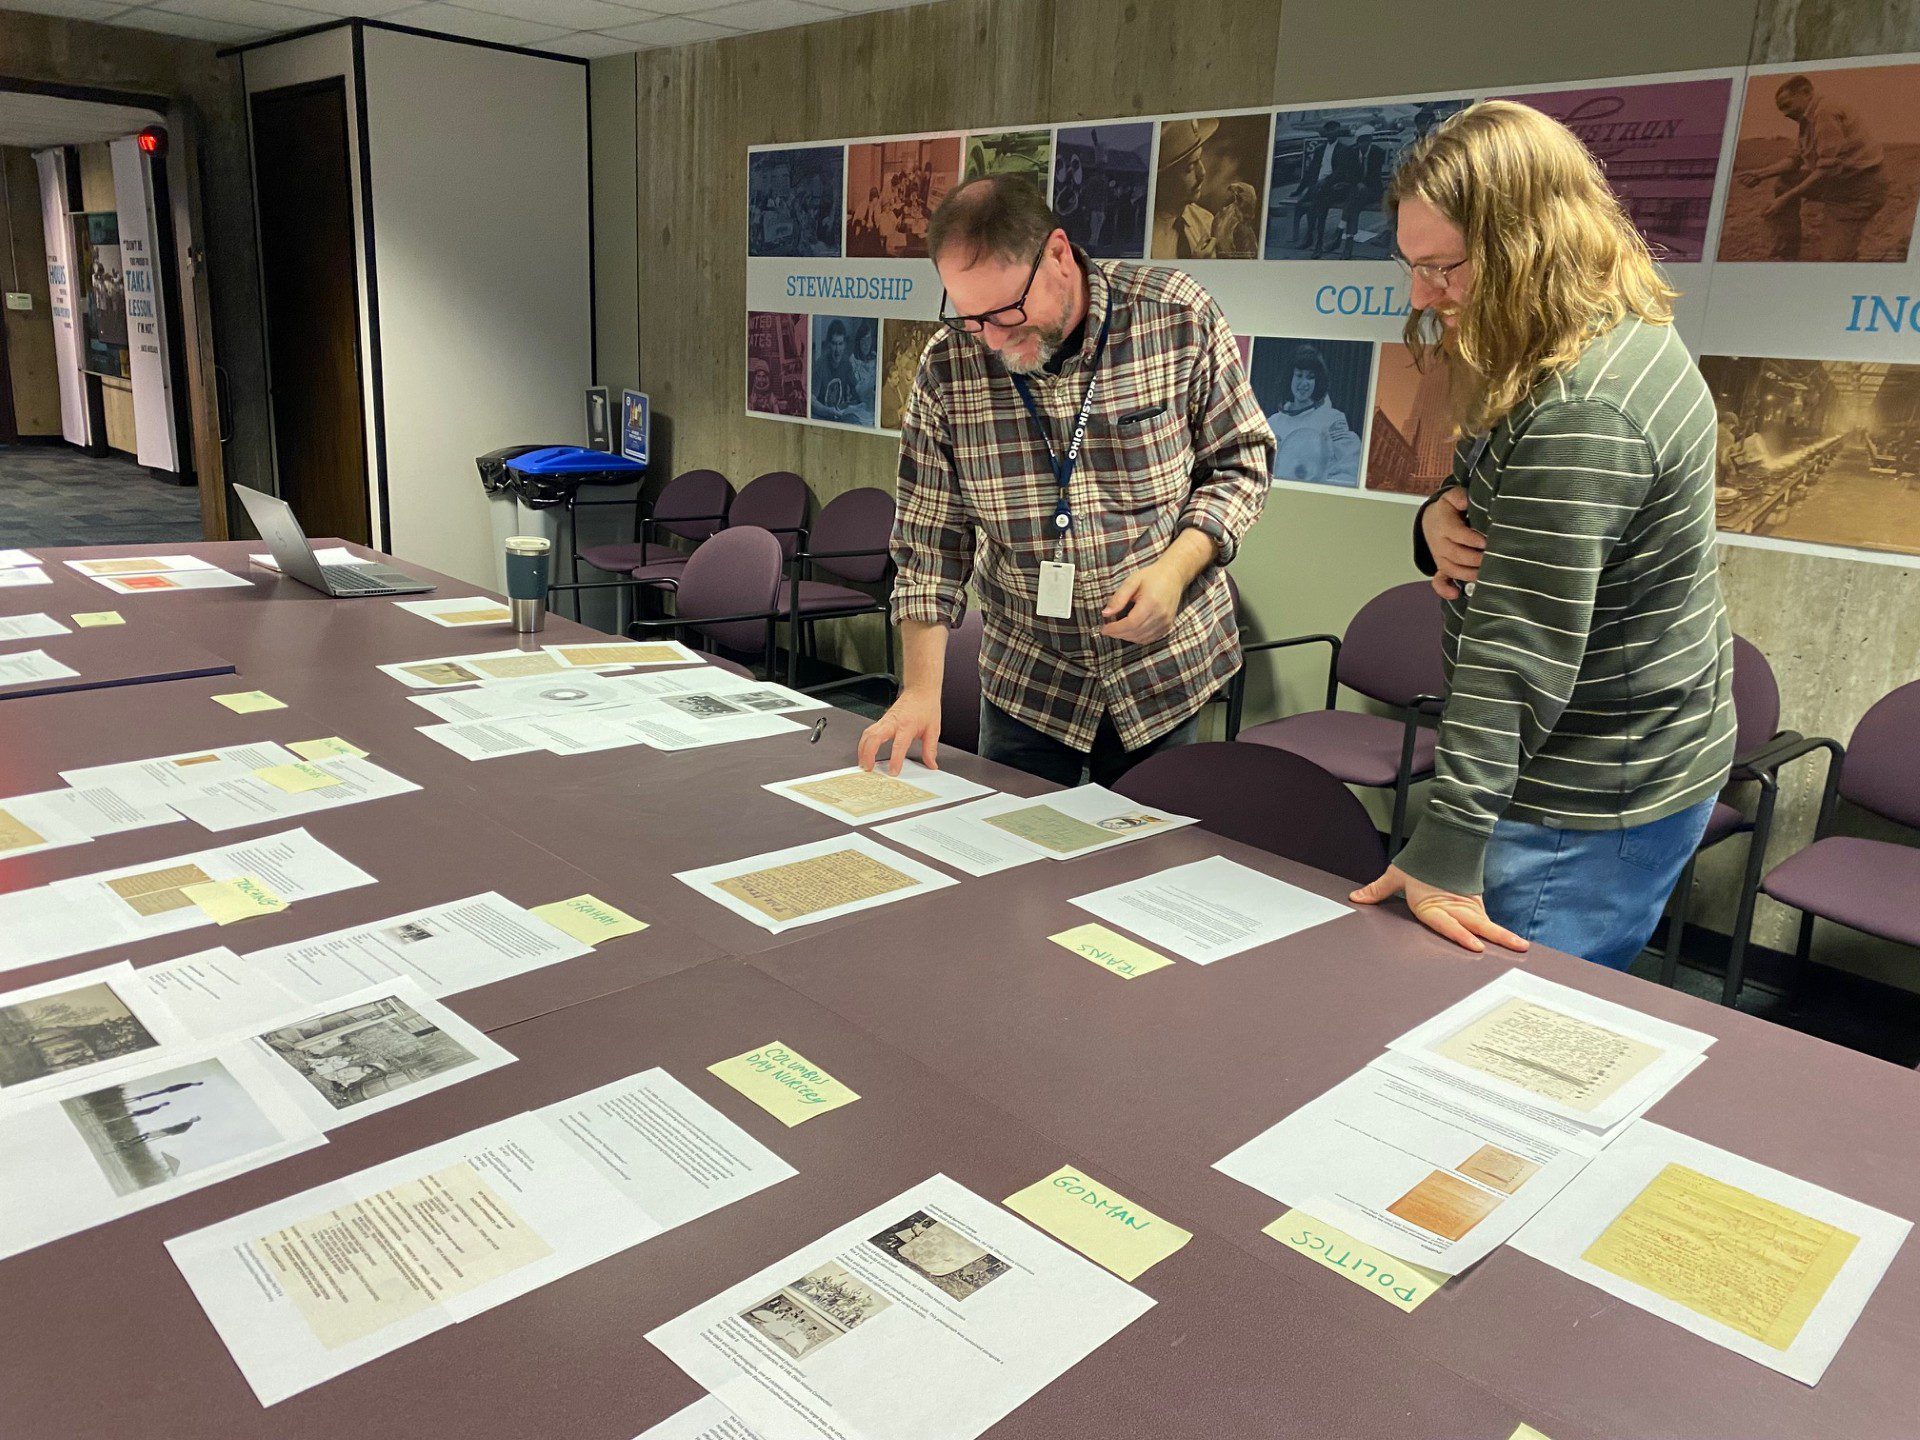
153, 411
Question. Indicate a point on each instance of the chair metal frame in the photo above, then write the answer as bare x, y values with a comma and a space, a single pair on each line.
800, 627
675, 623
643, 523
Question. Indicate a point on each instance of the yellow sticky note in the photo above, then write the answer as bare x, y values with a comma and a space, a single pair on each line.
241, 898
331, 748
1526, 1432
1110, 951
1402, 1285
91, 619
783, 1083
589, 920
297, 779
245, 702
1102, 1225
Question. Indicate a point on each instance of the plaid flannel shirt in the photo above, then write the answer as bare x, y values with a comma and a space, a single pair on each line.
1176, 440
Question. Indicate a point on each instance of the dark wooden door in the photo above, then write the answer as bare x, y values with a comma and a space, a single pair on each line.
311, 282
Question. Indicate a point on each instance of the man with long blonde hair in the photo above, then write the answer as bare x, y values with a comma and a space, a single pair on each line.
1588, 725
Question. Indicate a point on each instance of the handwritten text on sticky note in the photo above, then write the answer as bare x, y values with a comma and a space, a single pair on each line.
784, 1083
1399, 1283
245, 702
331, 748
1110, 951
589, 920
240, 898
1100, 1223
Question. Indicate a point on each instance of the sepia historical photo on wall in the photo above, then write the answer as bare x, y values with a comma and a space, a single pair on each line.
902, 343
892, 189
1210, 179
1410, 451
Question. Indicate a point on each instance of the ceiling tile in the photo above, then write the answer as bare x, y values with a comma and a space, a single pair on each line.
769, 14
474, 24
568, 14
685, 7
192, 26
255, 14
590, 45
69, 9
674, 30
344, 9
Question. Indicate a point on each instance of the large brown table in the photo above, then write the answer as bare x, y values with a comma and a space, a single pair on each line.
979, 1048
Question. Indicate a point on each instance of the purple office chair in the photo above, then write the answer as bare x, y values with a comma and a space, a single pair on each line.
1266, 797
960, 685
1756, 719
692, 505
1867, 885
1391, 653
849, 542
775, 502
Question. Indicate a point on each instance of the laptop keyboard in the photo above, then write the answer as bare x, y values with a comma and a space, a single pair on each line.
352, 577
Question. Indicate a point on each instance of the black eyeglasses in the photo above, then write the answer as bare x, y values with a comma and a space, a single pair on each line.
1440, 277
1007, 316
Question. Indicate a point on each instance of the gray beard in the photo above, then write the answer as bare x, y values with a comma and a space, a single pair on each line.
1052, 337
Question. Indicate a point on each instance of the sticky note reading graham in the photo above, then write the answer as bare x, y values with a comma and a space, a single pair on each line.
245, 702
1401, 1285
297, 779
589, 920
240, 898
1110, 951
93, 619
1100, 1223
783, 1083
331, 748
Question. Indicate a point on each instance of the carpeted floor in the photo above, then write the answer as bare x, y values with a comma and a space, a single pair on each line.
57, 495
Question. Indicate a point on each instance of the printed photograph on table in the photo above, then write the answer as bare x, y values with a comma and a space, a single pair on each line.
1410, 449
793, 201
1329, 177
902, 343
941, 1254
1826, 451
1314, 393
358, 1054
1660, 148
892, 187
173, 1123
819, 1307
1101, 175
67, 1031
1207, 199
846, 367
777, 363
1011, 152
1827, 166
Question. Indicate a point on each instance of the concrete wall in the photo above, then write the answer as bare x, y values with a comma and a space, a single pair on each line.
672, 266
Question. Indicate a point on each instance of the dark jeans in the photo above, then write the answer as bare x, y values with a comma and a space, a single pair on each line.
1016, 743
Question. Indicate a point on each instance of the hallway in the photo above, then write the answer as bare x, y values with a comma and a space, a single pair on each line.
57, 495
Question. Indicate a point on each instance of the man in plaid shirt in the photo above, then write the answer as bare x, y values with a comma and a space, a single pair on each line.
1107, 618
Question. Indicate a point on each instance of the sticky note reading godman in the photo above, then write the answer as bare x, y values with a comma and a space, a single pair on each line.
1400, 1284
783, 1083
1101, 1224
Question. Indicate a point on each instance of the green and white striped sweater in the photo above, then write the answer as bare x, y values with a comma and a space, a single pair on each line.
1590, 672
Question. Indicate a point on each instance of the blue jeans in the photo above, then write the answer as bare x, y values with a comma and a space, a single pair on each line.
1597, 894
1014, 742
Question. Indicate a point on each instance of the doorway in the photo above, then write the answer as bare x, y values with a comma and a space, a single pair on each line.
312, 298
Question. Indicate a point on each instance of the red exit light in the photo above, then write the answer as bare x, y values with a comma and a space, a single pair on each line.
152, 141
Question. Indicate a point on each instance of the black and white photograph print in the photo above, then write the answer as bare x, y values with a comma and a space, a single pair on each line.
1314, 395
366, 1051
793, 201
1211, 175
409, 932
940, 1254
819, 1307
1329, 181
1101, 175
67, 1030
846, 368
176, 1122
703, 707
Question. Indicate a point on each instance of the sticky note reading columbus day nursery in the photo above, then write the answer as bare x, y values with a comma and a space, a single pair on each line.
1104, 1226
1400, 1284
783, 1083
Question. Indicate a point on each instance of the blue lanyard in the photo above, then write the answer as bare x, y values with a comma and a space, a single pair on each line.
1063, 468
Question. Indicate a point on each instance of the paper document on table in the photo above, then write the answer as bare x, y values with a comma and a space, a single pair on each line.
168, 777
864, 797
1570, 1133
106, 1146
457, 612
14, 559
330, 555
85, 1025
30, 667
1415, 1172
482, 739
90, 811
963, 837
624, 652
513, 699
12, 578
30, 627
705, 1419
932, 1316
215, 993
140, 565
1559, 1049
722, 694
311, 1286
1080, 821
265, 796
27, 829
1753, 1259
443, 949
657, 724
185, 580
1210, 909
804, 884
446, 671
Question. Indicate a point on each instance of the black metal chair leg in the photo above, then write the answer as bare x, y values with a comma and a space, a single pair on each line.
1680, 903
1802, 961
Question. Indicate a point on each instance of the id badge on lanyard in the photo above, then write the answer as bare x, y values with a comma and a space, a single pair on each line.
1054, 600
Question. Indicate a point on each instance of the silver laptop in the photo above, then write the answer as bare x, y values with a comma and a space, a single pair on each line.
293, 553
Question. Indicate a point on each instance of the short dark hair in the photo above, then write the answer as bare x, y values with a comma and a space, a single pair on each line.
836, 327
1309, 360
1794, 82
1002, 216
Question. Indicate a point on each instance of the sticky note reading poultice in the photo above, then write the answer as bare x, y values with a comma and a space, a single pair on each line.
297, 779
331, 748
588, 920
245, 702
1402, 1285
241, 898
1110, 950
783, 1083
93, 619
1106, 1227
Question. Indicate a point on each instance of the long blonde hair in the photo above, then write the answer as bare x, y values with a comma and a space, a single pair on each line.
1556, 260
